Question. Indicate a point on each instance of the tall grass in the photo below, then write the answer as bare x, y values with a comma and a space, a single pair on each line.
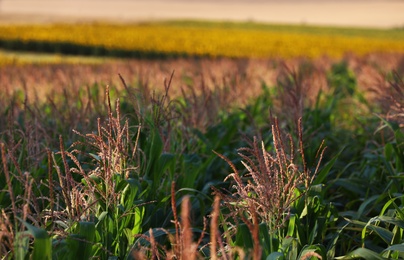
129, 173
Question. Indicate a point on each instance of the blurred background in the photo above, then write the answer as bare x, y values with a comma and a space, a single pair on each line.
373, 13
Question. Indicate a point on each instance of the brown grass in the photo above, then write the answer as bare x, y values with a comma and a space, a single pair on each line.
243, 76
390, 95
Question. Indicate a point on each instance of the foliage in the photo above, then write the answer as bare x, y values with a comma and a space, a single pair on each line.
137, 178
178, 39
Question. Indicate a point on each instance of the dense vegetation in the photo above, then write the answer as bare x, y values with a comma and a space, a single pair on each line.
184, 39
308, 166
113, 187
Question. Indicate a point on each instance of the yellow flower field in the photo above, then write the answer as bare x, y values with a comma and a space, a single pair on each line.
207, 40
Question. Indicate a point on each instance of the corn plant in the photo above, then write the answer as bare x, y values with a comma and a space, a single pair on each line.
266, 194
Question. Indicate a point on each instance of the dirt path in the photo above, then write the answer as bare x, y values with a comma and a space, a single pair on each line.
370, 13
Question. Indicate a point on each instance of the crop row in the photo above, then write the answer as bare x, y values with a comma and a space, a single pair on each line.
112, 188
181, 39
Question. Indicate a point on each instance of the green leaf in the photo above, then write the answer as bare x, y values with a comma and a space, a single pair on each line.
293, 249
139, 216
387, 205
385, 234
243, 237
96, 157
60, 249
325, 170
42, 248
275, 256
292, 225
102, 216
362, 253
167, 161
290, 247
391, 220
388, 151
398, 247
351, 185
87, 232
333, 243
399, 212
313, 232
369, 202
265, 239
155, 149
21, 245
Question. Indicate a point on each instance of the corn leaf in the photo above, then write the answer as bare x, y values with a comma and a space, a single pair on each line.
42, 248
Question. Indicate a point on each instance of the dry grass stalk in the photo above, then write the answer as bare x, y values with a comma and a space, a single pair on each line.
66, 181
309, 255
153, 246
113, 144
298, 85
393, 97
202, 103
218, 249
182, 243
50, 181
183, 246
8, 180
6, 234
189, 248
214, 228
389, 93
176, 222
26, 206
